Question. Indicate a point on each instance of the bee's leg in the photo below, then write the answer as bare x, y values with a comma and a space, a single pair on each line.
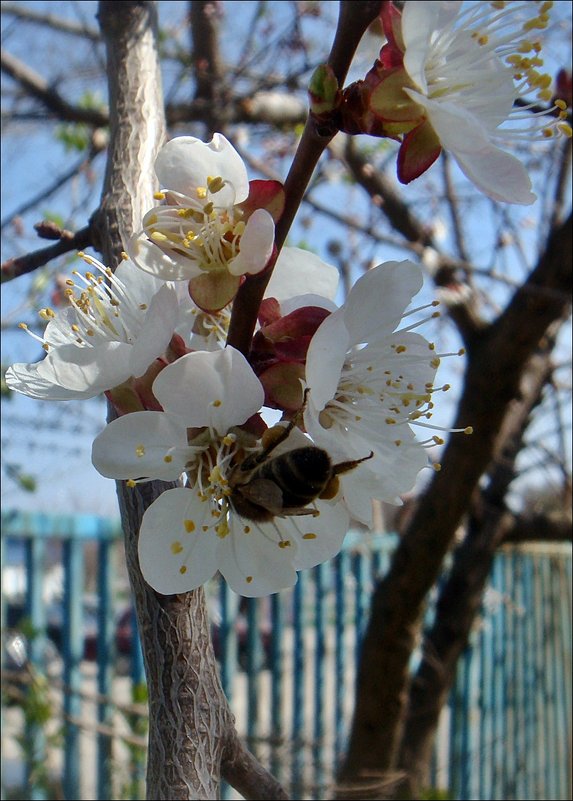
345, 467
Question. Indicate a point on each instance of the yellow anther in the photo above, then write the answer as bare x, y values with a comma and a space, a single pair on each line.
248, 579
23, 326
309, 536
239, 228
201, 192
469, 430
215, 184
157, 236
437, 467
217, 403
183, 569
176, 547
140, 451
246, 529
189, 526
159, 195
168, 459
565, 129
284, 544
390, 421
561, 104
131, 483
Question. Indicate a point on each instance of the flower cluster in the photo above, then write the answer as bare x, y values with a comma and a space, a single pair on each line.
464, 77
353, 385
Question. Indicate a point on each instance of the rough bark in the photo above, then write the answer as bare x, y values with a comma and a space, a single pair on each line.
496, 359
188, 714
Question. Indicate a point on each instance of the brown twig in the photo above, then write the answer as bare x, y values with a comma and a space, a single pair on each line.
20, 265
354, 18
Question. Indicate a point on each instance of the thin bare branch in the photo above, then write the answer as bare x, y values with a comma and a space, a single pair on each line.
35, 86
21, 265
60, 181
27, 14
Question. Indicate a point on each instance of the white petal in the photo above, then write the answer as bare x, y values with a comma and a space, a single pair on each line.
152, 260
217, 389
156, 331
418, 23
256, 245
377, 300
135, 446
25, 378
185, 163
251, 560
172, 558
87, 369
140, 286
300, 301
496, 173
329, 528
299, 272
324, 359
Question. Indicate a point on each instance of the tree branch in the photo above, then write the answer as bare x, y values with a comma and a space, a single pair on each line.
35, 86
354, 18
21, 265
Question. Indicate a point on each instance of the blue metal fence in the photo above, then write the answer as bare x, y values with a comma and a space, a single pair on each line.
288, 666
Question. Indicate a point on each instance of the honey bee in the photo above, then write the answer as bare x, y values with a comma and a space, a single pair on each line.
264, 486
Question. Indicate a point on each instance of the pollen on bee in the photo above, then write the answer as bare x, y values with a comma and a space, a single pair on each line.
176, 547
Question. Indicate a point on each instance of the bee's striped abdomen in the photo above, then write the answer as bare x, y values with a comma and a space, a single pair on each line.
301, 474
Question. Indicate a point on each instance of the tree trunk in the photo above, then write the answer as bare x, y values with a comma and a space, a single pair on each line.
496, 358
461, 594
188, 714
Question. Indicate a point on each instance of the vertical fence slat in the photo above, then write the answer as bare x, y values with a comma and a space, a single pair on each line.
277, 685
106, 658
320, 609
73, 649
36, 613
298, 691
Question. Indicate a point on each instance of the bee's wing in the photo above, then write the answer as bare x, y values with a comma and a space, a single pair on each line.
263, 492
